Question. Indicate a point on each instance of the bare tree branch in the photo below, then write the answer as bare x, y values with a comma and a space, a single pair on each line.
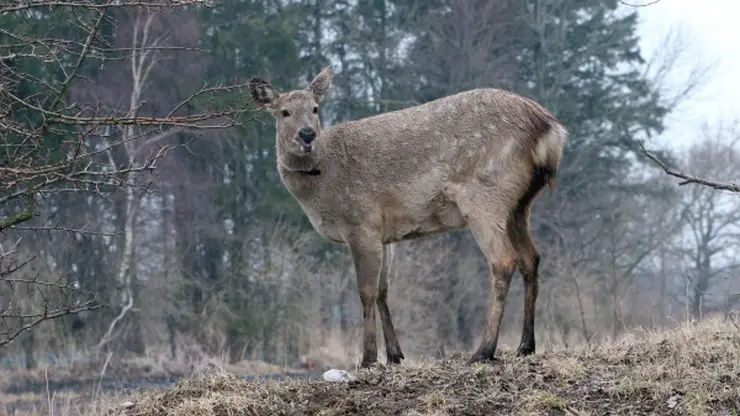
687, 179
36, 4
650, 3
57, 298
60, 133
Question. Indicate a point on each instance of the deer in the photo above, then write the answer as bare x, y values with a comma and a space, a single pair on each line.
473, 160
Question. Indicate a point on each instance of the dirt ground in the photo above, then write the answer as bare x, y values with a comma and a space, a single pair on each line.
693, 370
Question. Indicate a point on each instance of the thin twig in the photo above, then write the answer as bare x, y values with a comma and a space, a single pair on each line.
731, 316
112, 3
48, 316
688, 179
706, 293
650, 3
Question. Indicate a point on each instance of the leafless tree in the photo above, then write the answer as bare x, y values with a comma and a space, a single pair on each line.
469, 44
712, 220
54, 141
677, 58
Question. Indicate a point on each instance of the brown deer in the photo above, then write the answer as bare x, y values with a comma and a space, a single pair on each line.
475, 160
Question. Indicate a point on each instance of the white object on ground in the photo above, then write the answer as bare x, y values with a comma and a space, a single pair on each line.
338, 376
672, 401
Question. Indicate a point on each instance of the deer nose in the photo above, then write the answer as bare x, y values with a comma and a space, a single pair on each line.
307, 134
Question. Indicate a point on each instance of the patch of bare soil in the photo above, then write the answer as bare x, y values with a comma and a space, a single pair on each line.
688, 371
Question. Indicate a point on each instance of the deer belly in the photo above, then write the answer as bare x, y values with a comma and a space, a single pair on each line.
405, 226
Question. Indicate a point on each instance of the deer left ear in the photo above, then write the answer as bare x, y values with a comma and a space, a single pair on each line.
263, 93
320, 85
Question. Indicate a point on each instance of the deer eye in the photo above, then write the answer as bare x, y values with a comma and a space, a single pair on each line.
286, 113
316, 110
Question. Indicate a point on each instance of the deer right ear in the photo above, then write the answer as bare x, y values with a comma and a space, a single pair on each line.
321, 83
263, 92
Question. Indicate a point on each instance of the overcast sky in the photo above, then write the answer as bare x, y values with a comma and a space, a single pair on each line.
712, 33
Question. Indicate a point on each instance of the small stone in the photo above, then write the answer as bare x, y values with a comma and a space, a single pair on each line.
672, 401
337, 376
127, 405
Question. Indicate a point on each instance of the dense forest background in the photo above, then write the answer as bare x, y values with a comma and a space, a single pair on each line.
208, 255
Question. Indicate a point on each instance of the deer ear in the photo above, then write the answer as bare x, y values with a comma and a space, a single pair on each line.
320, 85
264, 94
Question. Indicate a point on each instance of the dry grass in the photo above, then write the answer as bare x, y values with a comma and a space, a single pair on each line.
134, 368
691, 370
84, 384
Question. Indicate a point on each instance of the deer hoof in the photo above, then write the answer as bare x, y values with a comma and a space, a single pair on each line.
395, 357
367, 363
525, 350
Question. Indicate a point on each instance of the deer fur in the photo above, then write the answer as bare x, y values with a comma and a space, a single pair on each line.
475, 160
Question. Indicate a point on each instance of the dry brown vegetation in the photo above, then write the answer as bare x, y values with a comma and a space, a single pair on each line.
137, 368
76, 388
692, 370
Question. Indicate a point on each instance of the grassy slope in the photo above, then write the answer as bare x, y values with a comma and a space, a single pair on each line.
690, 370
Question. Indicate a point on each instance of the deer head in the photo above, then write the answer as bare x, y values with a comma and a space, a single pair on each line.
296, 112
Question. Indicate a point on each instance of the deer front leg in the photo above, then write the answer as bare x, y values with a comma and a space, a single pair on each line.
367, 254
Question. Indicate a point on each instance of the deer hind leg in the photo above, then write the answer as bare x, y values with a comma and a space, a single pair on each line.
489, 229
367, 255
529, 260
392, 347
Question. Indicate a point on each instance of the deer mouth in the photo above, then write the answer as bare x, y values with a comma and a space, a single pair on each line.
306, 147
